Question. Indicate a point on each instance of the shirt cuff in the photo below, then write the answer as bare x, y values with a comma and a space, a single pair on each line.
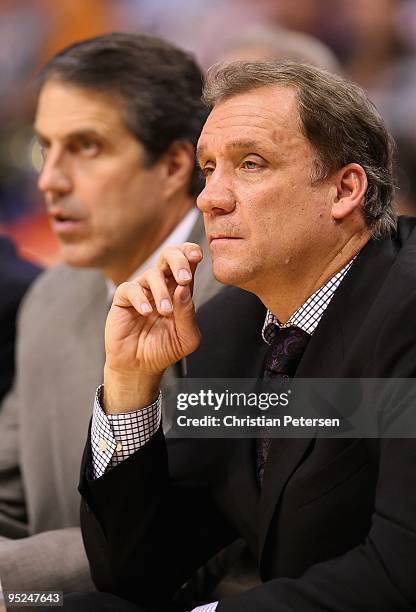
114, 437
211, 607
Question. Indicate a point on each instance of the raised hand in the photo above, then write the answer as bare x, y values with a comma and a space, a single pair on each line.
150, 326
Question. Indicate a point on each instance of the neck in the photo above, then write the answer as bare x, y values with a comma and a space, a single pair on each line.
121, 270
291, 288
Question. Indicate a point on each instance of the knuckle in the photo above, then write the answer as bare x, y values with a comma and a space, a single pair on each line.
153, 275
167, 252
142, 279
122, 289
196, 341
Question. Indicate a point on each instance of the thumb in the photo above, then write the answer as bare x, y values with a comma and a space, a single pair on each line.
187, 329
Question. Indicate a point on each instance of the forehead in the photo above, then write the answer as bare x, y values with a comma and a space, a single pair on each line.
267, 115
64, 108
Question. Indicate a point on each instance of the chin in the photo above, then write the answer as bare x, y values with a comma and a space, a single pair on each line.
78, 258
228, 274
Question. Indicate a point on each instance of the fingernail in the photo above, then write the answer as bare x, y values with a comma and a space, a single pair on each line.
166, 305
144, 307
194, 254
184, 275
185, 294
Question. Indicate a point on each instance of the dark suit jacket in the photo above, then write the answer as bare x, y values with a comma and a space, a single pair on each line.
16, 274
334, 527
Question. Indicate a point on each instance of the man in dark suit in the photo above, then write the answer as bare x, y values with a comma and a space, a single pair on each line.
298, 212
16, 275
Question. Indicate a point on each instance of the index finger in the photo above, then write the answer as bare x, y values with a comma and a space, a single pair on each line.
180, 262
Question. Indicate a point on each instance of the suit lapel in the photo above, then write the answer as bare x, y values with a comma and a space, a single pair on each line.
284, 456
80, 346
324, 358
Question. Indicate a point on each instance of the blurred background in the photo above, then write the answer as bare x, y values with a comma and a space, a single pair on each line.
371, 41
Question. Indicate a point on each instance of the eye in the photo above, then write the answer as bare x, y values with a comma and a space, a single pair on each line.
85, 146
42, 147
89, 147
207, 170
249, 164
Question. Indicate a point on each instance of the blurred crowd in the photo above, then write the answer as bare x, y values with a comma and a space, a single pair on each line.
371, 41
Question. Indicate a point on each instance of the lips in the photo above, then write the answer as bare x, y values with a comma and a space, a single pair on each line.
65, 224
221, 237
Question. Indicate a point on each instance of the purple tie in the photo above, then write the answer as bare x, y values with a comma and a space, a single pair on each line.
282, 359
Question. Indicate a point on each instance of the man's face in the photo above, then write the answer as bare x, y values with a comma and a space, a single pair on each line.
103, 202
263, 216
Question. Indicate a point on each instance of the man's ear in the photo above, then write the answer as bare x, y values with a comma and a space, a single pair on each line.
179, 162
351, 184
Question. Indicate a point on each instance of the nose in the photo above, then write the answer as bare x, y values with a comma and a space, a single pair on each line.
218, 196
54, 179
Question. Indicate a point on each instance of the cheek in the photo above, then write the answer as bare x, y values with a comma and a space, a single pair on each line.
136, 185
265, 224
110, 177
98, 193
113, 196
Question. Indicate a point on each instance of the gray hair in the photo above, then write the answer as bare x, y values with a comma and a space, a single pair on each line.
336, 117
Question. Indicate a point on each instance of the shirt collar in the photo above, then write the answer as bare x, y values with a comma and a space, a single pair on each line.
308, 315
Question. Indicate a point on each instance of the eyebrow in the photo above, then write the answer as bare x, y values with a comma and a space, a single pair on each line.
236, 144
77, 134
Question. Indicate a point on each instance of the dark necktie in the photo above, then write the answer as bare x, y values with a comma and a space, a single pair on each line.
282, 359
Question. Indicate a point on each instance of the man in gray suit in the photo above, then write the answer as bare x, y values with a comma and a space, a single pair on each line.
118, 117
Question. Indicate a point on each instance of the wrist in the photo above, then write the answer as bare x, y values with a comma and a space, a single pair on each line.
128, 391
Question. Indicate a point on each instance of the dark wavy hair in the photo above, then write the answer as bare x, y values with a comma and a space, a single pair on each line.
158, 85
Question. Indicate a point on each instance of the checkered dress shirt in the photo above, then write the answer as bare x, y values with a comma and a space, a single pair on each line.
310, 313
114, 437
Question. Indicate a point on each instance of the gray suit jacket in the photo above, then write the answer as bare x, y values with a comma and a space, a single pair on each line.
44, 422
